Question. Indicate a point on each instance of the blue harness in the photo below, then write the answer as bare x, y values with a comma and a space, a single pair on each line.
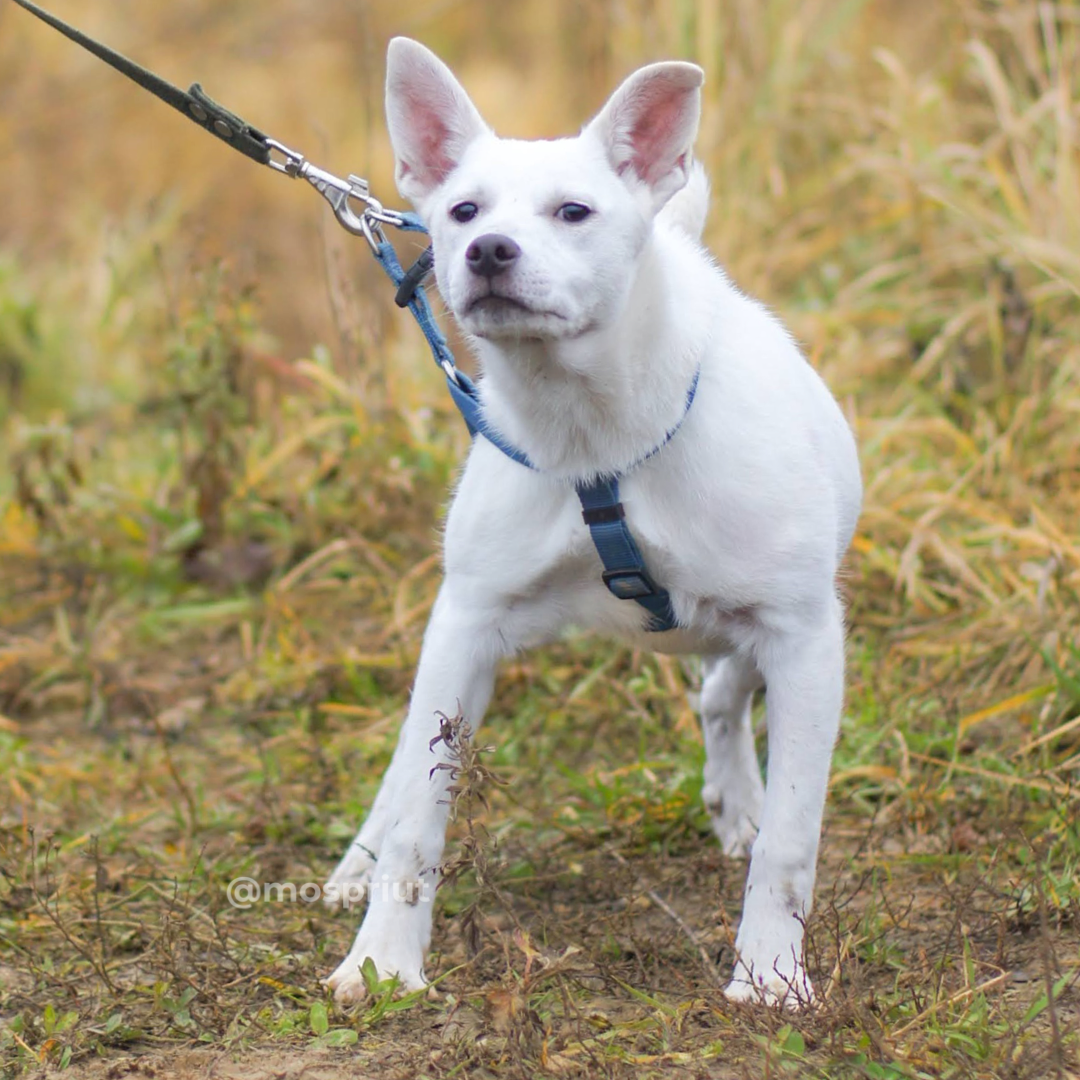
624, 573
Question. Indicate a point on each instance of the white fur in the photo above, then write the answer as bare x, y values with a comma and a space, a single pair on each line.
587, 352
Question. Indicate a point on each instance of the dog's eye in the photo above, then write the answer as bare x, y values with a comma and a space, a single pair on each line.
464, 212
573, 212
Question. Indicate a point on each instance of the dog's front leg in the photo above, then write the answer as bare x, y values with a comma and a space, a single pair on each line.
456, 673
804, 675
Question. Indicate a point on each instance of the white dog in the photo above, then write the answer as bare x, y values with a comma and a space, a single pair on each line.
611, 345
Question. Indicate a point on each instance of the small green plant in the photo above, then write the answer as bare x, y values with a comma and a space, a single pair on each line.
325, 1035
383, 998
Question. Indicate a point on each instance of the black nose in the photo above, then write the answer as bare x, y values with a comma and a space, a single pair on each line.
491, 255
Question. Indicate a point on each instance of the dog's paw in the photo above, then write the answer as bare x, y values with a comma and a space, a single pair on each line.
778, 992
734, 828
348, 884
780, 982
393, 940
734, 816
350, 986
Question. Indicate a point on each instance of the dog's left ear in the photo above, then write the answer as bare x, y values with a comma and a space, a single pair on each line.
649, 124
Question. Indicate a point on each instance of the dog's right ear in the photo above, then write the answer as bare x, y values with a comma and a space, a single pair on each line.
430, 118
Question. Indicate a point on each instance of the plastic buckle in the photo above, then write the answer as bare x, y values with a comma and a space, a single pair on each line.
629, 584
603, 515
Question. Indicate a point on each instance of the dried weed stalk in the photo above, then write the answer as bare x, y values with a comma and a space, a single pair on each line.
477, 849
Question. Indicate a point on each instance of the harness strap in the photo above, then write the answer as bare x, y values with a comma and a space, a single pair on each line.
194, 103
624, 568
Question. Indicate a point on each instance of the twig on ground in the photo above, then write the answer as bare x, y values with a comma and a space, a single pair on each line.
706, 961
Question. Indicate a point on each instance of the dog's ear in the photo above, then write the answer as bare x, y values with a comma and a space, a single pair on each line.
430, 118
649, 124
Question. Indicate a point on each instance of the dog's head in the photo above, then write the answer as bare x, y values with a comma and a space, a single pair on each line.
537, 239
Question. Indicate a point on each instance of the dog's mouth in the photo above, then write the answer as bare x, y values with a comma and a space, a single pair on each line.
495, 315
493, 301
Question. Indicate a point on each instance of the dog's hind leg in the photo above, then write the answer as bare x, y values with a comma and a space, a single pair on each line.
348, 884
733, 792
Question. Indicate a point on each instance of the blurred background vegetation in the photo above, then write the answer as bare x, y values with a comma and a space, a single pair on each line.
191, 350
223, 451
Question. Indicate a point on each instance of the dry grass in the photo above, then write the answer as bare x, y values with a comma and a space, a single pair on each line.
218, 545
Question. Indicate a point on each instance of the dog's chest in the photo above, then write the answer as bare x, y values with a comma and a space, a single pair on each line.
520, 542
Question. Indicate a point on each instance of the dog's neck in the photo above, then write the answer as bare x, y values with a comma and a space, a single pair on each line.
600, 402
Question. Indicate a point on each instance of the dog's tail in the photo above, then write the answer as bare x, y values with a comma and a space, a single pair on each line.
688, 208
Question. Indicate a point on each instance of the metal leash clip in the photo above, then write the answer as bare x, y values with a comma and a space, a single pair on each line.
338, 193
